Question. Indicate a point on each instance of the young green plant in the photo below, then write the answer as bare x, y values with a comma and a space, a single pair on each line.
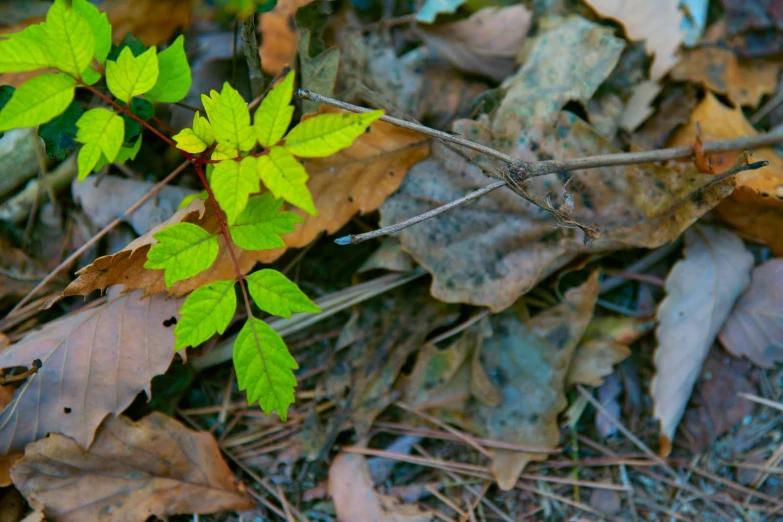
254, 170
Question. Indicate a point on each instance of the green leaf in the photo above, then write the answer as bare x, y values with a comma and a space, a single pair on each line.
183, 250
102, 132
275, 294
286, 178
24, 51
261, 224
132, 75
136, 46
274, 114
318, 73
432, 8
264, 367
69, 39
187, 200
325, 134
174, 79
230, 120
197, 139
59, 135
129, 153
37, 101
232, 183
223, 152
6, 91
210, 102
99, 24
206, 312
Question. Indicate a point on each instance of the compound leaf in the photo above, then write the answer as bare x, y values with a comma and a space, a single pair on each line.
132, 75
286, 178
206, 312
102, 132
275, 294
230, 119
183, 250
325, 134
264, 367
174, 79
260, 225
233, 182
100, 26
198, 138
68, 39
274, 114
37, 101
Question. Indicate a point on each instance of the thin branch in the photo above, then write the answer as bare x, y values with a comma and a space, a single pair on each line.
252, 56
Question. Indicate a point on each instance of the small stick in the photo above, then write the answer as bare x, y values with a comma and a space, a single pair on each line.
252, 57
34, 367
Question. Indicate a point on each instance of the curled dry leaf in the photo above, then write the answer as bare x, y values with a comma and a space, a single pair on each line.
755, 209
355, 498
132, 471
745, 82
701, 289
753, 329
485, 43
527, 364
95, 362
356, 179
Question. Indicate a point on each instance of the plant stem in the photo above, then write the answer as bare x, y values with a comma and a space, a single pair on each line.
252, 57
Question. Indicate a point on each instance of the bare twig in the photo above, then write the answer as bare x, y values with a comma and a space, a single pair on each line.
252, 56
34, 367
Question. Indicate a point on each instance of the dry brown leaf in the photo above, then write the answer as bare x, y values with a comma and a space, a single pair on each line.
701, 289
721, 71
755, 209
485, 43
134, 470
357, 179
355, 498
18, 272
279, 40
35, 516
493, 250
527, 364
95, 362
658, 22
6, 461
154, 21
753, 329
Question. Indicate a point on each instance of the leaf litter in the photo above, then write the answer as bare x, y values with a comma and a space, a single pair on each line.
477, 378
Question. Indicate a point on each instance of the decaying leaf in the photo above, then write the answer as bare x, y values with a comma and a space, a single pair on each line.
389, 256
95, 362
753, 328
722, 72
485, 43
575, 55
132, 471
701, 289
527, 363
18, 272
755, 209
153, 21
6, 461
355, 498
492, 251
279, 40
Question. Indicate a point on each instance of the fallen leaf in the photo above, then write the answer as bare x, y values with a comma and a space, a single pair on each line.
753, 328
153, 21
132, 471
576, 56
719, 70
316, 73
607, 395
674, 109
389, 256
355, 498
12, 505
485, 43
104, 200
6, 461
527, 363
18, 272
755, 209
432, 8
701, 289
754, 26
717, 405
493, 250
279, 40
95, 362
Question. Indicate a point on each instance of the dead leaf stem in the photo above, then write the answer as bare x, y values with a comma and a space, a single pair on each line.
9, 379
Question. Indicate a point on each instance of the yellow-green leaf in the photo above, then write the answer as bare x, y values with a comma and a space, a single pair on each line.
274, 114
325, 134
206, 312
174, 79
223, 152
23, 51
232, 183
88, 158
37, 101
132, 75
183, 250
275, 294
197, 139
69, 38
230, 120
261, 224
264, 367
210, 102
99, 23
100, 130
286, 178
